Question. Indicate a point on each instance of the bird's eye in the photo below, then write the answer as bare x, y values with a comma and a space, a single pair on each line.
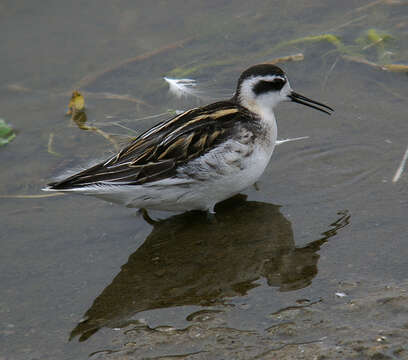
265, 86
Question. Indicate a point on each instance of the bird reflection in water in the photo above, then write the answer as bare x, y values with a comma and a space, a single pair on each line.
187, 260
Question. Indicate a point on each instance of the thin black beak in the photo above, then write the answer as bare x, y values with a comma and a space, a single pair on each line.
295, 97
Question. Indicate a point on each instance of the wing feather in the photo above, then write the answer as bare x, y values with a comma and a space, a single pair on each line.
156, 153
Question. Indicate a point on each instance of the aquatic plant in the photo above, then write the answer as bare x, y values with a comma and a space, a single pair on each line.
7, 133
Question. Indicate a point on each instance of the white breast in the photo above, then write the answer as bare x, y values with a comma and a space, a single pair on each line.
231, 167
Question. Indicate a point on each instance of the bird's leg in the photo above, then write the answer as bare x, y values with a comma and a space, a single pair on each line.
211, 215
256, 186
145, 215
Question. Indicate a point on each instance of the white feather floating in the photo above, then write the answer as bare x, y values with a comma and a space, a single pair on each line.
279, 142
340, 294
182, 87
400, 169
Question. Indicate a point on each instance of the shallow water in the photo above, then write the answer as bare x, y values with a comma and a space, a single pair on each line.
326, 211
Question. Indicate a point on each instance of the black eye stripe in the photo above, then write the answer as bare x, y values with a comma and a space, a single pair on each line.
265, 86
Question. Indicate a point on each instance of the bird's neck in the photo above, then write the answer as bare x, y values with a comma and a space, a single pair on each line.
266, 120
263, 112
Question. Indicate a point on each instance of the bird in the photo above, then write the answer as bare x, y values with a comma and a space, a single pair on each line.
199, 157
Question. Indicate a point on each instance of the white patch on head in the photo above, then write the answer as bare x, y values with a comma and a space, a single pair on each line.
265, 102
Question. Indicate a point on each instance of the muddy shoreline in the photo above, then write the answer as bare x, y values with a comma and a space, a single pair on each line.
361, 321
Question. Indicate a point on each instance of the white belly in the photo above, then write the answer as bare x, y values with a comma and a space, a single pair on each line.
216, 176
235, 173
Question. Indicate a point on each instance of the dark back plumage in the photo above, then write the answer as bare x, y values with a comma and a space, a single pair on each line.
156, 153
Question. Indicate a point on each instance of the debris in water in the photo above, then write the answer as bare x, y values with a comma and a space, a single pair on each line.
76, 104
182, 87
76, 108
50, 142
400, 169
340, 294
279, 142
295, 57
6, 133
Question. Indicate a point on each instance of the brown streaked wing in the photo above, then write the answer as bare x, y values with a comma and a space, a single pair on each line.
155, 154
178, 148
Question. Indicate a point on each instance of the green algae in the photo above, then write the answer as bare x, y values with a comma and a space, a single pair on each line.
7, 133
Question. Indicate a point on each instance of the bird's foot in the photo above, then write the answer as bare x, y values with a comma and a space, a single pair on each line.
145, 215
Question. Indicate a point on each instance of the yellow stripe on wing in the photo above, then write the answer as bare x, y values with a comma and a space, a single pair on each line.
210, 115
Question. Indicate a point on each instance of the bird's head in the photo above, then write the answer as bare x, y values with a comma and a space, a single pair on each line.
262, 87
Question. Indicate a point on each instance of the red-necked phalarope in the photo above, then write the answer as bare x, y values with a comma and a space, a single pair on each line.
199, 157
